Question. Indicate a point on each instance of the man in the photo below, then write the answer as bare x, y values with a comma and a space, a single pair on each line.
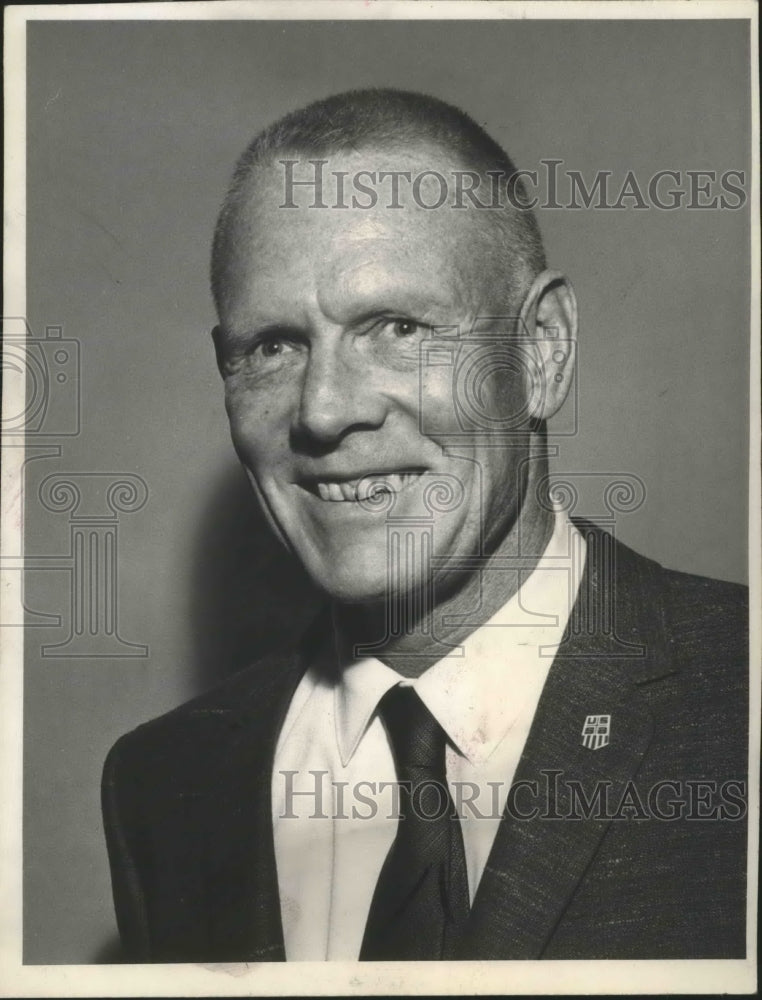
509, 736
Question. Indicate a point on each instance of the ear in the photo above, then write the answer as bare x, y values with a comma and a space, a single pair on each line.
217, 338
549, 316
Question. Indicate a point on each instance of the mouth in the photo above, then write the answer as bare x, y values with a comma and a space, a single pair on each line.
341, 489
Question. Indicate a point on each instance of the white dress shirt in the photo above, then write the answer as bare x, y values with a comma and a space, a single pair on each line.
334, 783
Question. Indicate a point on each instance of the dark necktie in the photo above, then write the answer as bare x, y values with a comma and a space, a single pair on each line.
421, 898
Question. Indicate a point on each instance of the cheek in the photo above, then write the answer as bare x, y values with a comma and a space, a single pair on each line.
505, 393
475, 389
258, 426
491, 390
438, 410
242, 426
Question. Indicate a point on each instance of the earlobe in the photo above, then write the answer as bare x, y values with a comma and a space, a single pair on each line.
549, 315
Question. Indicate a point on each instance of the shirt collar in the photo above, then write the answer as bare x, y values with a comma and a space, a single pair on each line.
362, 685
480, 693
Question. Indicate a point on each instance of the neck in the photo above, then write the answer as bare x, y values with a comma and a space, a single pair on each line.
461, 602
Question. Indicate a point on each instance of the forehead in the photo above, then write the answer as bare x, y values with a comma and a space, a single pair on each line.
300, 220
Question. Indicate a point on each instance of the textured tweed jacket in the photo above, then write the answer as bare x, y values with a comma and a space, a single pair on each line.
636, 849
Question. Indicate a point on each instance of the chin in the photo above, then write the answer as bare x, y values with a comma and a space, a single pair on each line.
352, 579
354, 585
358, 571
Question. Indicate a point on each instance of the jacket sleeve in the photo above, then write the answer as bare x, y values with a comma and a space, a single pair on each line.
121, 826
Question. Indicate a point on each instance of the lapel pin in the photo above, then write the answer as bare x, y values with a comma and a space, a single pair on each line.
596, 731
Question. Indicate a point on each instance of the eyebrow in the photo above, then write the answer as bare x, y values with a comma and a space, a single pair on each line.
422, 308
391, 299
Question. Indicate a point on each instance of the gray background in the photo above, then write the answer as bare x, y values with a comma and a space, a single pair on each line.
133, 129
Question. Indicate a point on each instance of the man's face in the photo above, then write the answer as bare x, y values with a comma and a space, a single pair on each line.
340, 421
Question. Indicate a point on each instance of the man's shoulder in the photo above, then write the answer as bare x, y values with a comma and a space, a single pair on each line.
699, 623
691, 595
701, 714
697, 611
191, 737
686, 596
707, 624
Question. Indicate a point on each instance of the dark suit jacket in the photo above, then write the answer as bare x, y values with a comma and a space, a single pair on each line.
186, 797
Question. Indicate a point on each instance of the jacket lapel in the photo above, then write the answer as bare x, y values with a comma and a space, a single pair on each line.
610, 648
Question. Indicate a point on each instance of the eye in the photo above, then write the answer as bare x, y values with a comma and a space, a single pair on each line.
405, 327
272, 347
270, 352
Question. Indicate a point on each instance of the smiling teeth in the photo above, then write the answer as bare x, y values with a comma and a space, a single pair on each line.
366, 487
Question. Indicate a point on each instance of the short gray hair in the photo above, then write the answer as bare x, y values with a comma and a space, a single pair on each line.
389, 118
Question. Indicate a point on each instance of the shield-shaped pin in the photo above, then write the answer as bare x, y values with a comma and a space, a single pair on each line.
596, 731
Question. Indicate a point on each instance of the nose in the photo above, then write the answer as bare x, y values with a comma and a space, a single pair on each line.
336, 397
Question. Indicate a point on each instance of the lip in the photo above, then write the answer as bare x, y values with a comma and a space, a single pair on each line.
356, 487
